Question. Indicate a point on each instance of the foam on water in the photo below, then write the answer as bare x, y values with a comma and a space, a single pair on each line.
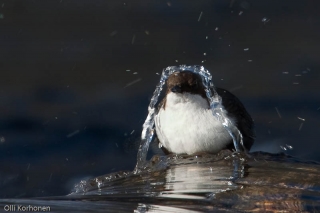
215, 104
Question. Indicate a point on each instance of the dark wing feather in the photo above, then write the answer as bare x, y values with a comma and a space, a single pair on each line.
236, 110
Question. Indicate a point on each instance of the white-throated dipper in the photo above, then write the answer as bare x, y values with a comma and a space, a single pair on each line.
184, 121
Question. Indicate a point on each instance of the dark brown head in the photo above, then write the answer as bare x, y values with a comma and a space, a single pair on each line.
185, 81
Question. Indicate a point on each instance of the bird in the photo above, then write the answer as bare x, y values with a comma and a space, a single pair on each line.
185, 124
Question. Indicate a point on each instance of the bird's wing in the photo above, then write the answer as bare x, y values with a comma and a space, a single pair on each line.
236, 110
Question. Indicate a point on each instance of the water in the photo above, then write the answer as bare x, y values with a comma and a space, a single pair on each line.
215, 105
225, 182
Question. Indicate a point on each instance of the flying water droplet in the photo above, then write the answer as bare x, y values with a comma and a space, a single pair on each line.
278, 112
2, 139
289, 146
265, 20
283, 148
200, 16
300, 127
133, 39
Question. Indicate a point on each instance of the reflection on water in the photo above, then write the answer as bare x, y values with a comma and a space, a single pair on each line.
221, 183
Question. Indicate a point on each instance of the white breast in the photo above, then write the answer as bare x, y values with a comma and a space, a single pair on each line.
188, 126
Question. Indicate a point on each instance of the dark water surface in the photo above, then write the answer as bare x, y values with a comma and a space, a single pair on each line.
225, 182
76, 78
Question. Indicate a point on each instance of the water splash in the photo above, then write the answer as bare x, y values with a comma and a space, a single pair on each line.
215, 105
110, 183
206, 183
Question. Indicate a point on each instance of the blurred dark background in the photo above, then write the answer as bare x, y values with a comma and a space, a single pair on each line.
76, 77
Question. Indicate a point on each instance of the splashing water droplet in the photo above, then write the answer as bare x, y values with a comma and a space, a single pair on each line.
200, 16
289, 146
265, 20
283, 148
133, 39
215, 105
300, 127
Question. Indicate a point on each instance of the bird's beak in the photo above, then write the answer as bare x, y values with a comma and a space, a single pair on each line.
176, 89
